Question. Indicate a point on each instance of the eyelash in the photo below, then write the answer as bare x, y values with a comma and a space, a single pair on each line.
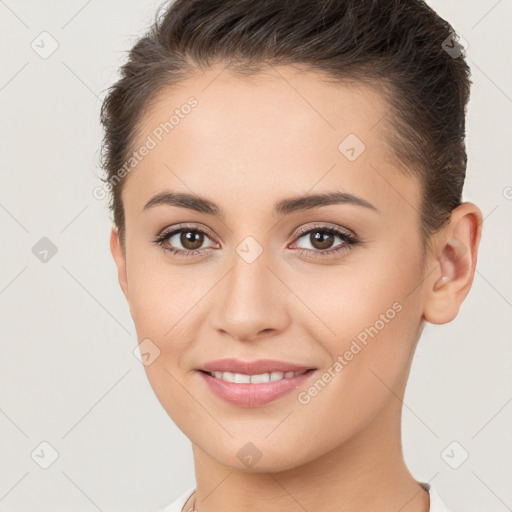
349, 240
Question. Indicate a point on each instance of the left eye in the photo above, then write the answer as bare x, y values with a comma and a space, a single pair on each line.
322, 239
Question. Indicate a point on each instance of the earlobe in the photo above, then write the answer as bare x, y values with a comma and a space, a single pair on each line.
120, 260
456, 258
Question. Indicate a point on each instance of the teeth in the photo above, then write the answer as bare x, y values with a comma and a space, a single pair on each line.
242, 378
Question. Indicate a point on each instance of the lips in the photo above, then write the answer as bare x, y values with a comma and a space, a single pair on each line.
254, 394
252, 367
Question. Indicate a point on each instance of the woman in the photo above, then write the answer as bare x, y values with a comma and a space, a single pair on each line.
286, 185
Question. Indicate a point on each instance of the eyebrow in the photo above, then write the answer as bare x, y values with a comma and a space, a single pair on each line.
282, 207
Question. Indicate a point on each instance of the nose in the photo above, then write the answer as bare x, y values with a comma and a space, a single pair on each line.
250, 301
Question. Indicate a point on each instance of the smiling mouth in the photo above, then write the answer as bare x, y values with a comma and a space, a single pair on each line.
254, 390
242, 378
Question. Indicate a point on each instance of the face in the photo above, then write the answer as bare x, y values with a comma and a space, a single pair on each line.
246, 269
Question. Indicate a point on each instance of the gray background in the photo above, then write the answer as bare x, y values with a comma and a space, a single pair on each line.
68, 375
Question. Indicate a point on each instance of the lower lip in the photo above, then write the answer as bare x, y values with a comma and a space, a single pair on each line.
254, 395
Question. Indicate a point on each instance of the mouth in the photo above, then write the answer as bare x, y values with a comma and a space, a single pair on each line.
254, 390
259, 378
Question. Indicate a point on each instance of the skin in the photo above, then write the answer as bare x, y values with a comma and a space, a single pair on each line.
249, 143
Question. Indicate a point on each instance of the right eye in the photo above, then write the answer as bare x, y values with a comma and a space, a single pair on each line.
190, 238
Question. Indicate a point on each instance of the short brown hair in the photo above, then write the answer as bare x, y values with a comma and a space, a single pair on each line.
395, 45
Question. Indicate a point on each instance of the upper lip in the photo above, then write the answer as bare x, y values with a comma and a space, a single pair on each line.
252, 367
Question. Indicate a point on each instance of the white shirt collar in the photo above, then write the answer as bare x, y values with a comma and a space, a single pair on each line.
436, 503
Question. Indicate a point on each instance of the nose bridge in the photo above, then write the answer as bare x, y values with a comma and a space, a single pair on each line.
251, 299
249, 276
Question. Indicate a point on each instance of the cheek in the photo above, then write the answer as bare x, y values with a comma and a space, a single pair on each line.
158, 295
168, 305
160, 305
375, 328
369, 319
149, 297
348, 298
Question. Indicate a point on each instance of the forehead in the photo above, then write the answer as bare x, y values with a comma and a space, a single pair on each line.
281, 132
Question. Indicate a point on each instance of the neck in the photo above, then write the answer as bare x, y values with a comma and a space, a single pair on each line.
365, 473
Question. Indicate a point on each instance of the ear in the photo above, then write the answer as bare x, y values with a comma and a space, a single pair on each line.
120, 259
456, 255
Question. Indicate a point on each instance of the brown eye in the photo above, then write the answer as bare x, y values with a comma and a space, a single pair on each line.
321, 239
184, 241
191, 239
